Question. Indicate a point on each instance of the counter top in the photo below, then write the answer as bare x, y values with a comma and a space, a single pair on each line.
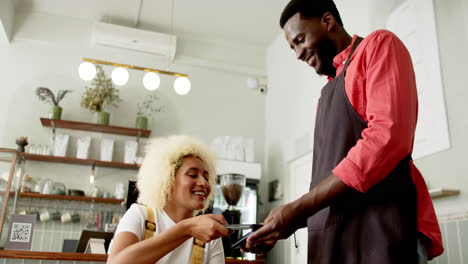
239, 261
22, 254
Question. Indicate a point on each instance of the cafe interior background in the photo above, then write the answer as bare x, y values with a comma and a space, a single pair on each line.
245, 83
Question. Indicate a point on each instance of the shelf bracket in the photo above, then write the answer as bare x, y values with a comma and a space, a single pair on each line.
138, 136
92, 176
52, 123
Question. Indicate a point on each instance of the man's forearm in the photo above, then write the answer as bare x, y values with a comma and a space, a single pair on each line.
321, 195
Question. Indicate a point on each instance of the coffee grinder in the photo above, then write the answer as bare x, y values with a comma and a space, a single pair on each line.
232, 187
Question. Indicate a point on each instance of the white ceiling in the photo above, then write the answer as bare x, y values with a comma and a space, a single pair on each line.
247, 22
217, 34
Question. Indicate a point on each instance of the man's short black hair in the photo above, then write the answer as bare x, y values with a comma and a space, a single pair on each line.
309, 8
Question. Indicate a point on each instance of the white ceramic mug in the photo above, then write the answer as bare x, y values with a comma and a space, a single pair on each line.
66, 217
44, 216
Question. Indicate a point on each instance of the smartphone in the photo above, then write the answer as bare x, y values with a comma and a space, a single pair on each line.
243, 226
243, 240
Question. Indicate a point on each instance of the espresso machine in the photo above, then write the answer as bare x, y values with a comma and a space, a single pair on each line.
232, 187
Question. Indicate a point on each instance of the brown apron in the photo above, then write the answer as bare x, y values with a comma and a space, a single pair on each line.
376, 227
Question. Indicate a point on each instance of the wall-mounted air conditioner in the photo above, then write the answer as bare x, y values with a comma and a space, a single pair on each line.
150, 42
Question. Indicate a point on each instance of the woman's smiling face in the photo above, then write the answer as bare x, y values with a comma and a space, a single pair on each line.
191, 185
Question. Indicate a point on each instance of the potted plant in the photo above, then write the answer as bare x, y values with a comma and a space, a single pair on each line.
101, 94
146, 108
47, 96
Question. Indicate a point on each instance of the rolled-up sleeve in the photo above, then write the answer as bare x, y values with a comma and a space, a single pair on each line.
390, 112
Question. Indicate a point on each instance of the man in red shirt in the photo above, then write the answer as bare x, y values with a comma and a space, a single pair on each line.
367, 202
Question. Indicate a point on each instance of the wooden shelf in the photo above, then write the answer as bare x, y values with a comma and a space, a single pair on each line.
71, 160
21, 254
70, 198
95, 127
442, 192
7, 150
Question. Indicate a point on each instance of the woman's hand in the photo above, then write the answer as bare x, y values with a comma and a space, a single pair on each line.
207, 227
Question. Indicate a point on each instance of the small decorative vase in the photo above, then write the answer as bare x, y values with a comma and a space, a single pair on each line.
55, 112
141, 122
102, 118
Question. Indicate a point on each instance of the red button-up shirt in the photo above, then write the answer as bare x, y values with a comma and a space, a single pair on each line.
381, 86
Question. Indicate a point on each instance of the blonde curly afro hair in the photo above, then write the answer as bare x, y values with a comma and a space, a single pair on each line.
163, 157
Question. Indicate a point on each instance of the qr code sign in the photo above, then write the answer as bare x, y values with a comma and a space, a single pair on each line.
20, 232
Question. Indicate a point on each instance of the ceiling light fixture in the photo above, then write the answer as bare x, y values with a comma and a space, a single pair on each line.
182, 85
87, 71
120, 76
150, 81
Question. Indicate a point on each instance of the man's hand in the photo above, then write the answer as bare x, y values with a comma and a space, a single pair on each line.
284, 220
260, 248
279, 224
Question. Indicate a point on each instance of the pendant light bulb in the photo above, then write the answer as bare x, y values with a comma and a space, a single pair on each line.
120, 76
182, 85
151, 81
87, 71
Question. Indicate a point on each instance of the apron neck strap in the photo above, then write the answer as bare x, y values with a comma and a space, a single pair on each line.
355, 45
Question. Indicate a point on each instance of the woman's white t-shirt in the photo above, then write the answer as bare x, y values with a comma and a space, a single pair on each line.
134, 221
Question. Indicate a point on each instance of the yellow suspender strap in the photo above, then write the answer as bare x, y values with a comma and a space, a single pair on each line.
197, 251
150, 225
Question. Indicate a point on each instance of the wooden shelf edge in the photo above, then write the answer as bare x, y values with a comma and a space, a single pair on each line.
21, 254
71, 160
70, 198
240, 261
443, 192
68, 124
7, 150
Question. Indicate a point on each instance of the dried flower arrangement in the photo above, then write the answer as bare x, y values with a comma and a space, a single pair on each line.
149, 106
146, 108
47, 96
101, 94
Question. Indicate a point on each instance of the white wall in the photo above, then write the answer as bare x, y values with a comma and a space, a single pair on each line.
446, 169
6, 20
449, 168
294, 91
46, 51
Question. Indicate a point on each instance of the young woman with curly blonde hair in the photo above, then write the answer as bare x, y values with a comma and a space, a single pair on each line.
176, 179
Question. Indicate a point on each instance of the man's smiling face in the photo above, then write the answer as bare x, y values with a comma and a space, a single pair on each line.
310, 39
